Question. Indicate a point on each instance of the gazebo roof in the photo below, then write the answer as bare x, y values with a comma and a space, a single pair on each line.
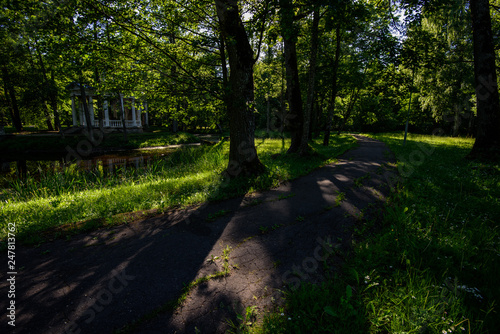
74, 88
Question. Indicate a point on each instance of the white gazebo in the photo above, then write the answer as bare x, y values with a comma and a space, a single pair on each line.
135, 117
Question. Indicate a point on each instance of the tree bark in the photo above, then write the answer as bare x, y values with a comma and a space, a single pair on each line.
225, 83
11, 95
86, 109
42, 92
53, 103
100, 107
304, 147
326, 138
243, 158
124, 125
487, 143
295, 117
52, 93
350, 107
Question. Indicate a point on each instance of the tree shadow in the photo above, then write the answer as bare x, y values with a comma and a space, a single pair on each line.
134, 275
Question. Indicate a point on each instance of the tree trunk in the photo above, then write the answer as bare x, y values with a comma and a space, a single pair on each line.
86, 109
225, 83
487, 143
124, 125
42, 90
100, 107
326, 139
350, 107
53, 103
295, 117
242, 152
10, 94
304, 147
47, 116
268, 115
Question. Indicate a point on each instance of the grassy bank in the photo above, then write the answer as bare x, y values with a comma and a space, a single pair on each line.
188, 176
54, 142
431, 261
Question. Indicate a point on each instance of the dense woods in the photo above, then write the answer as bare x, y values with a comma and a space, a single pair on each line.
298, 66
160, 126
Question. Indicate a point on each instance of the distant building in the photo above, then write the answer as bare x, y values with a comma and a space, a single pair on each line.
136, 111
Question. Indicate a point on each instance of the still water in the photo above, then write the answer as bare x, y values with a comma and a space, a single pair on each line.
19, 167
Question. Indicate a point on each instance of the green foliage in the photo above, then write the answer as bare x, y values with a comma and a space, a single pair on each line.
331, 307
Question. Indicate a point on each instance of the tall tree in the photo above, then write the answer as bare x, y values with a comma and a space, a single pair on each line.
242, 152
289, 32
304, 147
487, 143
331, 109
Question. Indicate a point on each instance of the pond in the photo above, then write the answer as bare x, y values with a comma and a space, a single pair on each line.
12, 168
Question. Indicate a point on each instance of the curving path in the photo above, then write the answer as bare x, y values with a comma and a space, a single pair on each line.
104, 280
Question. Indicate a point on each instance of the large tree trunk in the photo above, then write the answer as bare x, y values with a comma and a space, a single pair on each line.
242, 153
295, 117
326, 138
10, 94
225, 82
304, 147
487, 144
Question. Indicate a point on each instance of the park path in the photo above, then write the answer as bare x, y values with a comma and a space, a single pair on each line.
104, 280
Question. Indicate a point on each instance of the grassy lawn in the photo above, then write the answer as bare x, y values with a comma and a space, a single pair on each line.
429, 263
21, 143
188, 176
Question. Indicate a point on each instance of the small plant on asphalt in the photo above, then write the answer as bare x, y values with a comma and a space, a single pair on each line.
264, 229
283, 196
213, 216
359, 181
213, 259
340, 197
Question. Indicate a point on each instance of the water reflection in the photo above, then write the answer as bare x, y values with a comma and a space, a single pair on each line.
107, 164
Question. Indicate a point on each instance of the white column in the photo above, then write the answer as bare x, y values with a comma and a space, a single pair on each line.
91, 111
106, 113
146, 110
73, 111
134, 122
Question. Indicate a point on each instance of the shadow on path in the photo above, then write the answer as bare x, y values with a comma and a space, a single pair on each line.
101, 281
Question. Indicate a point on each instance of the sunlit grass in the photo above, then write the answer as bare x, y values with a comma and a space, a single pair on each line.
431, 262
188, 176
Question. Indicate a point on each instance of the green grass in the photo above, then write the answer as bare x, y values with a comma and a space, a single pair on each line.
429, 262
188, 176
